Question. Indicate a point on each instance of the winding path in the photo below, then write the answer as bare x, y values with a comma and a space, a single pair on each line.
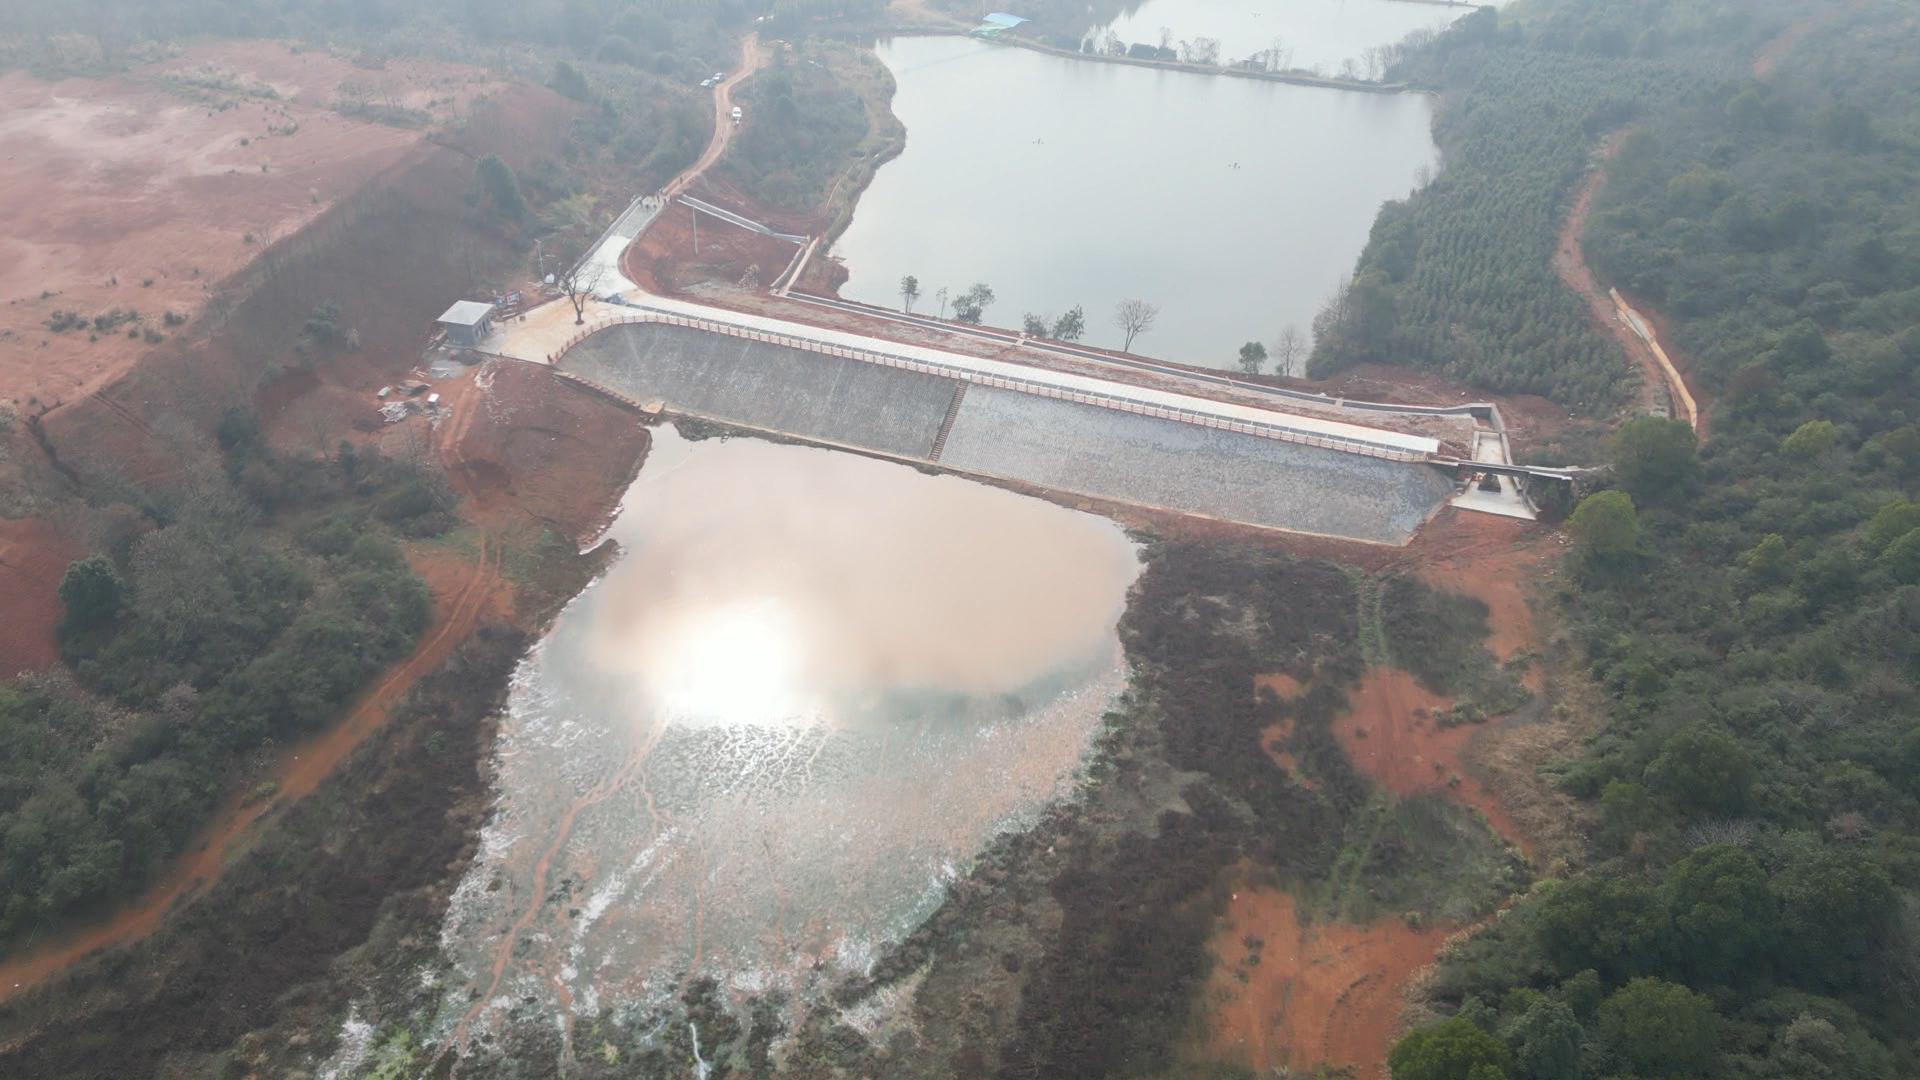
752, 59
1633, 332
1637, 333
299, 774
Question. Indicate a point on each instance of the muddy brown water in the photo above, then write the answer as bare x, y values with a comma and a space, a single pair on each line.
813, 687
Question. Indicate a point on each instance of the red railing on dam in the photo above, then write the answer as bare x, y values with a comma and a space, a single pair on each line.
1116, 401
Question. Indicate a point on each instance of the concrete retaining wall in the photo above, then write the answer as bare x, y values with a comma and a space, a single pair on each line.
770, 386
1064, 445
1225, 474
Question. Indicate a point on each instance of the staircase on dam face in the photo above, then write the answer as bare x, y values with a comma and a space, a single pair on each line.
946, 422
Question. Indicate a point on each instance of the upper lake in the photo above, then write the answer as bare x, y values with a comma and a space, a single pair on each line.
1311, 35
1234, 205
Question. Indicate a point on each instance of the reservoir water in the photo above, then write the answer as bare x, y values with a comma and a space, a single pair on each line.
1311, 35
811, 689
1234, 205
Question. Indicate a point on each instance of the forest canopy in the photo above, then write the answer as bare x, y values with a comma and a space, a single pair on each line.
1749, 605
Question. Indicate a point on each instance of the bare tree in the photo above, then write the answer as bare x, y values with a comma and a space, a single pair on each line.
940, 294
579, 284
1279, 57
1203, 50
1166, 38
1334, 310
1134, 317
1289, 349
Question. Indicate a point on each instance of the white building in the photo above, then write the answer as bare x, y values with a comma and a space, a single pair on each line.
468, 323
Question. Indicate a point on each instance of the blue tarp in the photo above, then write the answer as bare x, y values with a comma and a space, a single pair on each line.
1000, 20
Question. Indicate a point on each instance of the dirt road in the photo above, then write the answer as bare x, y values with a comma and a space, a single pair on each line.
464, 593
33, 557
1616, 313
752, 59
1656, 369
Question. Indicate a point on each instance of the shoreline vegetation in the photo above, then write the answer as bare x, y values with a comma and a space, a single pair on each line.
1238, 71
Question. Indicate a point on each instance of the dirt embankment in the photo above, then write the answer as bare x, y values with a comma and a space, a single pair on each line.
668, 260
388, 258
526, 447
33, 556
413, 228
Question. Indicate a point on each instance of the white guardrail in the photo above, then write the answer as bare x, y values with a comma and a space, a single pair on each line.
1117, 402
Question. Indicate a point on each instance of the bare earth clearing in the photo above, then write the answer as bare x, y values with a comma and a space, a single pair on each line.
161, 175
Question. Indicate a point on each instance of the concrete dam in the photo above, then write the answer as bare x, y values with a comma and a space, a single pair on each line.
1010, 434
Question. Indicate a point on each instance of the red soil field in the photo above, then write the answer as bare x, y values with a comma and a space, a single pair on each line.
1495, 559
1317, 992
1332, 992
146, 177
1390, 733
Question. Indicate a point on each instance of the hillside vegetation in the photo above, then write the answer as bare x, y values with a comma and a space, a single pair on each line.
1747, 907
1458, 278
242, 609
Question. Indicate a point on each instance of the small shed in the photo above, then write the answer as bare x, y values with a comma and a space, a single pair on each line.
468, 323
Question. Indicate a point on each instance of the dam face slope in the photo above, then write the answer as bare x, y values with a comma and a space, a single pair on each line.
811, 395
1142, 459
1006, 434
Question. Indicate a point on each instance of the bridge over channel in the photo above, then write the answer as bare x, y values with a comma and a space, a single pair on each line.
735, 219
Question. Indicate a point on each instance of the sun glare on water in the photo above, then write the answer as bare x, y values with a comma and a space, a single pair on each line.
735, 665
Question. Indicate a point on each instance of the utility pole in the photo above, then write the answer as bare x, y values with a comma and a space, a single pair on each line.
696, 230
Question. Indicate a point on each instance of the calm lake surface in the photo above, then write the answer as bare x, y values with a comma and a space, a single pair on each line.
1316, 35
809, 692
1234, 205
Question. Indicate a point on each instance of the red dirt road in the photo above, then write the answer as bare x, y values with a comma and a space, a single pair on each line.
1571, 264
464, 594
33, 556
